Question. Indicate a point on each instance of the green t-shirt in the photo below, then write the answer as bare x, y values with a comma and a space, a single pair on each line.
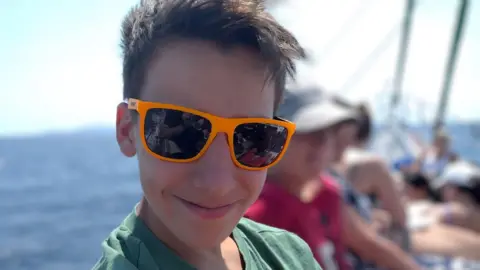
133, 246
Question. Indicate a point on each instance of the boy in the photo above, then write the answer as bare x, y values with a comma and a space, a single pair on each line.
214, 70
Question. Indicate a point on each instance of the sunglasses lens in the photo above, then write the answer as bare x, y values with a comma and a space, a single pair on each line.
258, 145
176, 134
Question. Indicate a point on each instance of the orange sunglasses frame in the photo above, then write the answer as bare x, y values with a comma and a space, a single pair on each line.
219, 125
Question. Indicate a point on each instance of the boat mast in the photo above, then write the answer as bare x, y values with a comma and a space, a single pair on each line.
450, 67
402, 55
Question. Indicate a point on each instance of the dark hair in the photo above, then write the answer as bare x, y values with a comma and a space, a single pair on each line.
474, 190
364, 123
228, 23
420, 181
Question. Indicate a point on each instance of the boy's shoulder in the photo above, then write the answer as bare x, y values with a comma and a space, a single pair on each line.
126, 249
251, 227
280, 248
119, 251
132, 246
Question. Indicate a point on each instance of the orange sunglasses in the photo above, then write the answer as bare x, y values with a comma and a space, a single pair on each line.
178, 134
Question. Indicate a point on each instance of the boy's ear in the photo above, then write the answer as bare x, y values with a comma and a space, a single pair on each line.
125, 130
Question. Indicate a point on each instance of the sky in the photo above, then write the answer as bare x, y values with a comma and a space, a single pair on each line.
60, 65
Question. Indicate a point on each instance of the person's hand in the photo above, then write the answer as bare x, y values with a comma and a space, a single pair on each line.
381, 220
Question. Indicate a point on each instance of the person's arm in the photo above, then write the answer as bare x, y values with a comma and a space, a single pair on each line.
473, 221
415, 163
381, 220
360, 238
372, 176
446, 240
460, 215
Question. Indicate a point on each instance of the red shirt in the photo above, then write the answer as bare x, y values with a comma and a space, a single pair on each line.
317, 223
329, 204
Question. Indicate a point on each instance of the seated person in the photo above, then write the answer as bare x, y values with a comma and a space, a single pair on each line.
382, 252
296, 197
368, 172
459, 186
433, 160
435, 243
299, 198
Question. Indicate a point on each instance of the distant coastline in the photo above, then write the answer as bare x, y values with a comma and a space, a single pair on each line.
472, 126
85, 130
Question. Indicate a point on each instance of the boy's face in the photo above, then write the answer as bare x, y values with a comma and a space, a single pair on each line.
308, 155
201, 76
344, 137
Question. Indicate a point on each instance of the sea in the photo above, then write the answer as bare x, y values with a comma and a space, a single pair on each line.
62, 193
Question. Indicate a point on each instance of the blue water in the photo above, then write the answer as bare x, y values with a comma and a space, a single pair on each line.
60, 196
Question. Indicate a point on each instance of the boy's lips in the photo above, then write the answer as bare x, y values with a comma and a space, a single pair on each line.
207, 212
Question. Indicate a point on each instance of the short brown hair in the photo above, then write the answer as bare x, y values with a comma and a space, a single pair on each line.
228, 23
